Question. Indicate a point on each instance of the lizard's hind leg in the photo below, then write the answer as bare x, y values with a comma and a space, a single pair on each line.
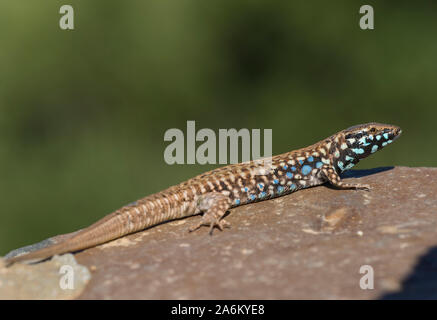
214, 206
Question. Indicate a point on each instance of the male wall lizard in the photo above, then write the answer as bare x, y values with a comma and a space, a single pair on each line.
215, 192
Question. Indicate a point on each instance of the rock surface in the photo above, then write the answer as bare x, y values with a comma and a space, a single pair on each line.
45, 280
307, 245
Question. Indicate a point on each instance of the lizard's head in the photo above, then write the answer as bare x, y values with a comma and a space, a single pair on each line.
362, 140
365, 139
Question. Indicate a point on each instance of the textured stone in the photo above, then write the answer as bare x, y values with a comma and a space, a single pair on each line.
307, 245
44, 280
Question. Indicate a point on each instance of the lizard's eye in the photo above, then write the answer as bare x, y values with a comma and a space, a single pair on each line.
372, 130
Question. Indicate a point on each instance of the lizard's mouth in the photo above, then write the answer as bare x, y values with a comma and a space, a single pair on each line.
397, 134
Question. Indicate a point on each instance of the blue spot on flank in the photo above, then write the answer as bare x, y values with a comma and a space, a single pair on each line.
252, 197
378, 137
289, 175
310, 159
374, 148
280, 189
260, 186
301, 161
246, 189
385, 136
276, 181
371, 137
293, 187
293, 168
389, 141
306, 169
384, 144
237, 201
358, 150
262, 194
285, 167
349, 158
319, 164
340, 164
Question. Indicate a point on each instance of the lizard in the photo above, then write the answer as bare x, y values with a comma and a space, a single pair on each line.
215, 192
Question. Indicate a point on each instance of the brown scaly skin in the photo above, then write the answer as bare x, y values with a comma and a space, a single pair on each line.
216, 191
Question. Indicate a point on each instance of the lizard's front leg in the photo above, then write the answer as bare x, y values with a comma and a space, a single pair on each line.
332, 176
214, 206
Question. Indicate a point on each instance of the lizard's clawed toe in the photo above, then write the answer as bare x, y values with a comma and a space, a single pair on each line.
364, 187
220, 224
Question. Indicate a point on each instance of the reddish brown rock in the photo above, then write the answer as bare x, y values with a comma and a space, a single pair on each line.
59, 278
307, 245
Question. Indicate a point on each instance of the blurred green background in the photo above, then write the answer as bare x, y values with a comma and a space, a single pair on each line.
83, 112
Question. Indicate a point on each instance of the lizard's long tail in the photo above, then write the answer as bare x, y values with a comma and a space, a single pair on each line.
102, 231
129, 219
